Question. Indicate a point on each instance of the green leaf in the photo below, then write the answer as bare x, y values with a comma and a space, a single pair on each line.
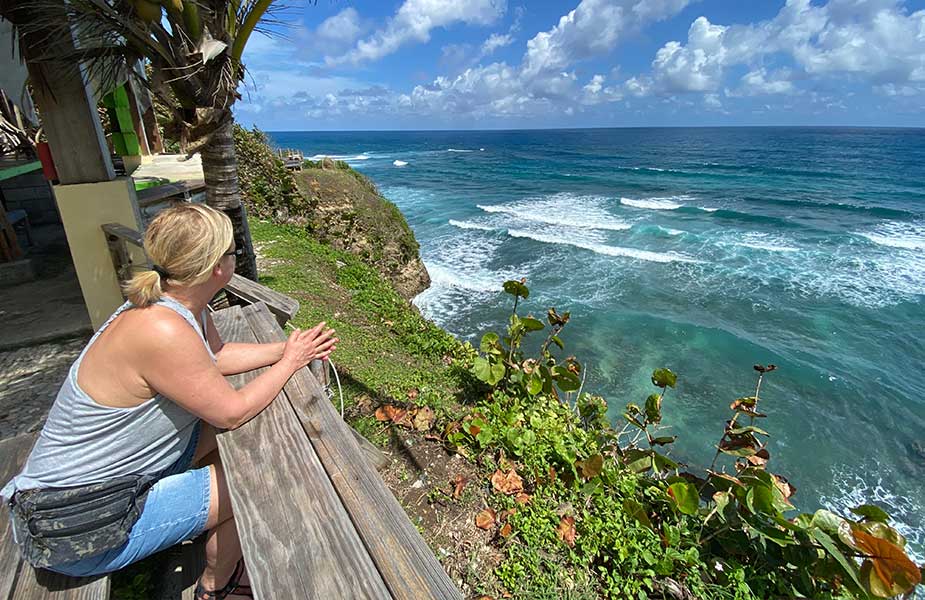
662, 441
664, 378
496, 373
654, 408
720, 502
633, 421
685, 496
516, 288
663, 463
558, 342
871, 513
534, 384
826, 542
481, 369
638, 460
566, 380
531, 324
489, 342
760, 499
636, 510
748, 429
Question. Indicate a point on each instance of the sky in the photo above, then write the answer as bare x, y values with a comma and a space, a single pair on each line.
521, 64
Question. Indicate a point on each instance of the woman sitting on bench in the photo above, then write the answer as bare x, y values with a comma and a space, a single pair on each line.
126, 464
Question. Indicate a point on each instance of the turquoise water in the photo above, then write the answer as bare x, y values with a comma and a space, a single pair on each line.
706, 251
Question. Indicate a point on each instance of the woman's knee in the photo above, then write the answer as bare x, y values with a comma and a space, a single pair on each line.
219, 498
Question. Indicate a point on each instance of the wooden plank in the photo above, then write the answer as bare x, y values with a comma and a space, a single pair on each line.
281, 305
402, 556
62, 93
177, 188
13, 453
124, 233
35, 584
39, 584
297, 538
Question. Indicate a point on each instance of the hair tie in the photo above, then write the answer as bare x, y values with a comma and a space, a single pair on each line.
160, 271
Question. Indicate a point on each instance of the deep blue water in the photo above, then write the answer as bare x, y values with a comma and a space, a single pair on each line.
706, 251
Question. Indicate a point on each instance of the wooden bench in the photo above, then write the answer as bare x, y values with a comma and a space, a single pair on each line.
314, 517
18, 580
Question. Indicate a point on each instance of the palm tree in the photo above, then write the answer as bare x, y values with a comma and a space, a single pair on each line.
193, 49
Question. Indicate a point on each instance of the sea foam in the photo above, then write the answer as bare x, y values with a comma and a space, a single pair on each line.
654, 203
897, 234
457, 150
400, 163
470, 225
659, 257
567, 210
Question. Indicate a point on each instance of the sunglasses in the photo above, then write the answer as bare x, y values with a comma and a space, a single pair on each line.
235, 253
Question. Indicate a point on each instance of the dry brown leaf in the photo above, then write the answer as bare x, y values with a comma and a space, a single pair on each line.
506, 530
385, 412
401, 417
485, 519
412, 394
760, 458
786, 488
504, 514
459, 484
889, 560
507, 483
522, 498
552, 474
424, 418
474, 430
566, 530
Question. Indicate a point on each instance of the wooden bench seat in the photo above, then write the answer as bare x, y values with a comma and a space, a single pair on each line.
314, 517
18, 580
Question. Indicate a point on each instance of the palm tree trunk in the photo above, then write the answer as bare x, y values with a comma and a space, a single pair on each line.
220, 169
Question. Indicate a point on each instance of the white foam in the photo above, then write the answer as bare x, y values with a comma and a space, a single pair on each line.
897, 234
763, 241
481, 149
400, 163
660, 257
653, 203
867, 487
344, 157
707, 209
568, 210
470, 225
457, 150
671, 231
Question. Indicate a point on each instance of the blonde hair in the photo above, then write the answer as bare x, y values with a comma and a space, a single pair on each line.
184, 243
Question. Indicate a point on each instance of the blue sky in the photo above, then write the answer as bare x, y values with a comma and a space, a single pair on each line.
486, 64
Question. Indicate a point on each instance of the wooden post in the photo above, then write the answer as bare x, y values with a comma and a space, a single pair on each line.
68, 108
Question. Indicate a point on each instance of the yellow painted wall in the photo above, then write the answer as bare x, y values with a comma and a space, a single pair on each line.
84, 208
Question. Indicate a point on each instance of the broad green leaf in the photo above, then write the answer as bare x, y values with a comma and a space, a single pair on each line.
633, 421
871, 513
489, 342
638, 461
636, 510
654, 408
685, 496
534, 384
662, 441
850, 568
720, 502
663, 463
760, 499
827, 521
531, 324
516, 288
496, 374
557, 341
481, 369
565, 379
664, 378
748, 429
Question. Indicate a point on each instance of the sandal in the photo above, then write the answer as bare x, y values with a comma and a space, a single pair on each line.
234, 586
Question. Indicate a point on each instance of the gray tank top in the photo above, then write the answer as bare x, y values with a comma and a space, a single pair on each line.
84, 442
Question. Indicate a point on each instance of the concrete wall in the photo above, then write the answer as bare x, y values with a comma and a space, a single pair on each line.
32, 193
85, 207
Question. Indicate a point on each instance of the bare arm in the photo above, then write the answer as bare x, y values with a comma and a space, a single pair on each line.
232, 358
177, 366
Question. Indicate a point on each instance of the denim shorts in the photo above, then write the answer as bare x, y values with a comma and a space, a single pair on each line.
176, 509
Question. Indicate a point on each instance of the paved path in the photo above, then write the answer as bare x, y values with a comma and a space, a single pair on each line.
29, 381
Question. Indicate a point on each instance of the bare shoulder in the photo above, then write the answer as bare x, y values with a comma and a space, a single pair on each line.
157, 329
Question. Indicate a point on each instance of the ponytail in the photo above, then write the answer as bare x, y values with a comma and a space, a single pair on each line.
144, 289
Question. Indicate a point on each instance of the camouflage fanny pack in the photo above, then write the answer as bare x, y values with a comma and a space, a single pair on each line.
57, 526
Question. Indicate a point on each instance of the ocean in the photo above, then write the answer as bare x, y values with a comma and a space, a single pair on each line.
705, 251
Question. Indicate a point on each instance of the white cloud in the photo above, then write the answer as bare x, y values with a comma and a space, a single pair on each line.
413, 23
876, 41
494, 42
760, 82
337, 33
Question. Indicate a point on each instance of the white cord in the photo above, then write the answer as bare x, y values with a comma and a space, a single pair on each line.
339, 389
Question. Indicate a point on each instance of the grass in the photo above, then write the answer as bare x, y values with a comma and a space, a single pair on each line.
387, 351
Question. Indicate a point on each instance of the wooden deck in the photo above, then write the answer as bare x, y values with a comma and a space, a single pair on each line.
314, 517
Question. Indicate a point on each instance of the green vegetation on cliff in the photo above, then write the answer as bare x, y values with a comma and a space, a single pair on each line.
570, 505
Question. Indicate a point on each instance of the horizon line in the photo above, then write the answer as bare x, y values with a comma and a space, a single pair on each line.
881, 127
